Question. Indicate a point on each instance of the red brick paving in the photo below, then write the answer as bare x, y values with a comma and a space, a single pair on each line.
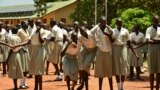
48, 84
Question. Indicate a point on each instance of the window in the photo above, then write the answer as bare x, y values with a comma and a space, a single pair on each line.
11, 21
18, 21
63, 20
6, 22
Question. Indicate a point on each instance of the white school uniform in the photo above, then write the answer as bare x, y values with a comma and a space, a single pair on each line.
153, 57
119, 51
138, 38
38, 53
3, 53
15, 68
24, 36
103, 64
55, 53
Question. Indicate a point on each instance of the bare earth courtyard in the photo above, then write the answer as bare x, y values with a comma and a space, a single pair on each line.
48, 83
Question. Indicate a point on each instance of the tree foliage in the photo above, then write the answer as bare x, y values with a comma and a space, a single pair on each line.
85, 8
135, 16
41, 7
85, 11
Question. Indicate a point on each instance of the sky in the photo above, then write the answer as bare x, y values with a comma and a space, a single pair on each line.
15, 2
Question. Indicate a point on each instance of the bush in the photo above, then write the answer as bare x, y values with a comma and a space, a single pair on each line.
133, 16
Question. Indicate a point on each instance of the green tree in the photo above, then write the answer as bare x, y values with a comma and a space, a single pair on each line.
85, 8
134, 16
85, 11
41, 7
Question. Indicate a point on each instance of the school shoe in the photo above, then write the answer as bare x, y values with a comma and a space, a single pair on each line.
59, 78
22, 87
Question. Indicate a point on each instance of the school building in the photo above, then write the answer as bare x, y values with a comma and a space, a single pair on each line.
59, 11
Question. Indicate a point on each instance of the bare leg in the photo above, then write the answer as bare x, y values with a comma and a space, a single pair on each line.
80, 76
118, 81
131, 73
40, 82
122, 81
47, 66
4, 68
110, 83
74, 84
68, 82
61, 69
157, 81
100, 83
86, 79
56, 68
36, 82
151, 81
15, 84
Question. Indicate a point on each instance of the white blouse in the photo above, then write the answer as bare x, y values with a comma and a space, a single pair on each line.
24, 35
102, 41
137, 38
151, 33
34, 37
121, 37
58, 33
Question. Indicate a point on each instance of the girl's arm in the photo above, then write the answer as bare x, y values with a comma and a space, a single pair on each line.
6, 44
23, 44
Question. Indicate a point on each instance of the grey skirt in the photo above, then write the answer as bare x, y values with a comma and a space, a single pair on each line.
25, 58
37, 62
119, 60
70, 66
103, 64
55, 55
15, 68
88, 57
133, 60
153, 58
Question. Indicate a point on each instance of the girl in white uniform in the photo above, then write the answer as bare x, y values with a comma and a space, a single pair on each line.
136, 38
103, 64
55, 53
14, 60
24, 53
120, 39
2, 48
38, 54
153, 58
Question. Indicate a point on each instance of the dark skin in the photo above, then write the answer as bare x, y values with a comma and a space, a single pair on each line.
155, 21
30, 23
67, 78
137, 31
52, 24
38, 78
85, 74
103, 26
119, 26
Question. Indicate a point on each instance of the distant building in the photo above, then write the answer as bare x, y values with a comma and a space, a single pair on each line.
59, 10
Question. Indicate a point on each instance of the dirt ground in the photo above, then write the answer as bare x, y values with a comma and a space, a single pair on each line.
48, 83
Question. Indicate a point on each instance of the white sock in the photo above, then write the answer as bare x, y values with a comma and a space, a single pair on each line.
24, 81
122, 83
